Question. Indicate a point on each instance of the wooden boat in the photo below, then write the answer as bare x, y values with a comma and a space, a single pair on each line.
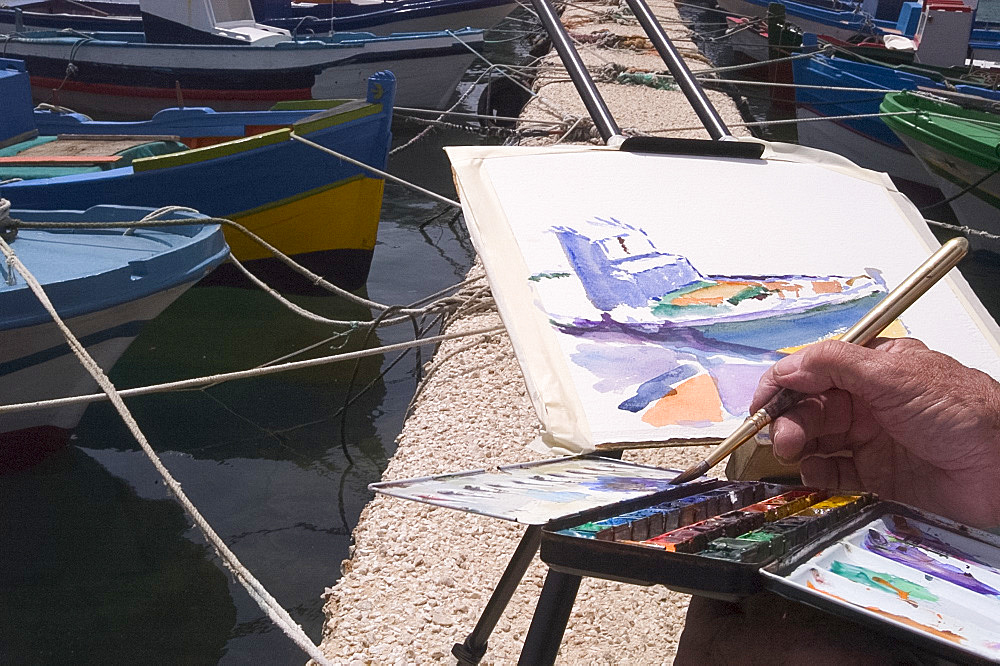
239, 165
866, 141
188, 56
958, 147
950, 25
381, 17
105, 284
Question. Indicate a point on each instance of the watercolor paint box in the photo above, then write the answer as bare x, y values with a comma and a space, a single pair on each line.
920, 577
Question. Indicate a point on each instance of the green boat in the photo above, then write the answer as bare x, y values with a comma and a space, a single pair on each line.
958, 142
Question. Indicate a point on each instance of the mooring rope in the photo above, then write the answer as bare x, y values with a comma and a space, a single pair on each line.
201, 382
380, 172
793, 121
257, 591
153, 220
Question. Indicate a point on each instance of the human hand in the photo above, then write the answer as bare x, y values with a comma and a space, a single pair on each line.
919, 427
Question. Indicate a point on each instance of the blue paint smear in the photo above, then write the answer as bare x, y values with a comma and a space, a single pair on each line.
657, 388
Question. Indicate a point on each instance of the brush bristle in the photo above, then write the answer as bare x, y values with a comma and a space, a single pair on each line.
691, 473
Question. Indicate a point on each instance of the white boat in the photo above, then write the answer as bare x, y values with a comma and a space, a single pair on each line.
189, 56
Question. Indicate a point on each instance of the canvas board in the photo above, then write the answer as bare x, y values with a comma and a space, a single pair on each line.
645, 294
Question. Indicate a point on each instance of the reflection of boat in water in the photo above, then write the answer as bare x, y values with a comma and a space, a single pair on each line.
108, 565
633, 287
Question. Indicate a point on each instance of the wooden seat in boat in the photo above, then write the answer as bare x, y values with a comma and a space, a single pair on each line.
70, 150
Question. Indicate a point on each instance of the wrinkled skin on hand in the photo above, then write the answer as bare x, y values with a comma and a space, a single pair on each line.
920, 427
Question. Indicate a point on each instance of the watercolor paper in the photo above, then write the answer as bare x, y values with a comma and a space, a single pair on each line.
645, 295
915, 575
535, 493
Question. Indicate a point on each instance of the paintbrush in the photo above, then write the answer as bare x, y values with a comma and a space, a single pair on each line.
863, 332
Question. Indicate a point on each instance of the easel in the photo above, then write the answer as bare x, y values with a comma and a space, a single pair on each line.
559, 591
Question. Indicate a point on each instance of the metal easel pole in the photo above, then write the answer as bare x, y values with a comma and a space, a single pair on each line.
692, 89
473, 649
592, 99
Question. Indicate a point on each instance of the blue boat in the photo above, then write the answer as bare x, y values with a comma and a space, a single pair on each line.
866, 141
381, 17
105, 284
238, 165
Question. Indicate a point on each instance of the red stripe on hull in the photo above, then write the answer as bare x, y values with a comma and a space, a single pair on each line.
112, 90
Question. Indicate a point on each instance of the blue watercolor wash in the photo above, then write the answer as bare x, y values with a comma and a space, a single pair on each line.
657, 388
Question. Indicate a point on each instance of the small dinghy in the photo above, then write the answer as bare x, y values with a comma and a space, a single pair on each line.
105, 284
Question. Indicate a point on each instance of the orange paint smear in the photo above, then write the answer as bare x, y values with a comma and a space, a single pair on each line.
947, 635
903, 594
827, 287
713, 295
697, 399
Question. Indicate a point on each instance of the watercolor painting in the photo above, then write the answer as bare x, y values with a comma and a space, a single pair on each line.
655, 337
916, 575
538, 492
644, 295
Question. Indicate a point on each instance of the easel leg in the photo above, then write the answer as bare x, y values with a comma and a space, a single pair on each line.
549, 622
473, 649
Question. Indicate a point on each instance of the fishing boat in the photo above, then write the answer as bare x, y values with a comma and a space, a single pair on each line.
957, 144
105, 284
213, 53
951, 24
238, 165
864, 139
381, 17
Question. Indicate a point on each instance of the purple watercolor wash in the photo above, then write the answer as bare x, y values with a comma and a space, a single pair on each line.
912, 556
736, 383
621, 366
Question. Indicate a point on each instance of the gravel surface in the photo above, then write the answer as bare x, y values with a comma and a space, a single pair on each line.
420, 576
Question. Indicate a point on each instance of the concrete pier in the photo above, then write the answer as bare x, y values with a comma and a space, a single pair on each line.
420, 576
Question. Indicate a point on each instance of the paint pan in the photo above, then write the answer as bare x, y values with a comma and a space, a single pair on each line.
913, 575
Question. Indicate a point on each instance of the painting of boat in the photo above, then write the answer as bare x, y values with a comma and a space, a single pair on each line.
710, 334
380, 17
212, 53
237, 165
105, 284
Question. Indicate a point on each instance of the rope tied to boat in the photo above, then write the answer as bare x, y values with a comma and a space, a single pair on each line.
8, 226
257, 591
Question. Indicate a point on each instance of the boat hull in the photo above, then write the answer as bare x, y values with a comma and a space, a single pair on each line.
105, 285
307, 204
377, 18
36, 364
979, 208
129, 79
859, 146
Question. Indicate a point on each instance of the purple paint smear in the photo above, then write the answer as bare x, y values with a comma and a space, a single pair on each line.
907, 532
736, 383
912, 556
620, 366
